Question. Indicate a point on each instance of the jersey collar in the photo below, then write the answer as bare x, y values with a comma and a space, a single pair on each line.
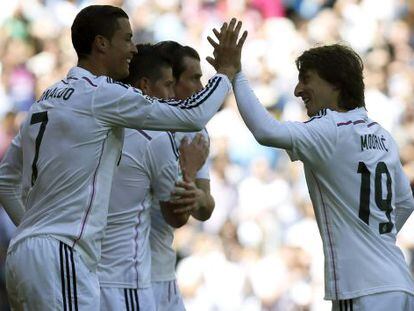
80, 72
360, 112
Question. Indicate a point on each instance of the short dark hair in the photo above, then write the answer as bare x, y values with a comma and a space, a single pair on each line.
340, 66
175, 53
92, 21
148, 63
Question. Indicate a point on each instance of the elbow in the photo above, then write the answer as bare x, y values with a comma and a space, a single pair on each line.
261, 135
197, 124
262, 139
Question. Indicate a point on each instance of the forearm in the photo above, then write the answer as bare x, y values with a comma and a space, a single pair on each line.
193, 113
265, 129
12, 205
10, 182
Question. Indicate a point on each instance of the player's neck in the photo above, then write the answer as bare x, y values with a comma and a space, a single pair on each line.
93, 67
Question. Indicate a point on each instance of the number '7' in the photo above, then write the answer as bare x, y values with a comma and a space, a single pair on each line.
39, 117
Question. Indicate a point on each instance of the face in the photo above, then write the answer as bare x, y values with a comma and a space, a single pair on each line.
189, 81
316, 93
164, 86
120, 51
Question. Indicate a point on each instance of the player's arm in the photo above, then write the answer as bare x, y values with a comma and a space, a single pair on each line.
124, 106
10, 181
404, 200
266, 130
198, 172
162, 159
119, 105
264, 127
205, 201
313, 141
193, 164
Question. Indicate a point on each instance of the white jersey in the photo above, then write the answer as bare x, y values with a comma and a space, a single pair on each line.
70, 144
148, 169
357, 187
163, 256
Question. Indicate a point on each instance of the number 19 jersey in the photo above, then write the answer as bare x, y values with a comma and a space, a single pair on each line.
361, 198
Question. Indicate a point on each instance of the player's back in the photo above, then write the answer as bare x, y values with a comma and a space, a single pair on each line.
355, 188
68, 162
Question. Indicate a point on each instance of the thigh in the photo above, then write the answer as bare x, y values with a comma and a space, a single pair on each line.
386, 301
146, 299
400, 301
121, 299
45, 274
112, 298
167, 296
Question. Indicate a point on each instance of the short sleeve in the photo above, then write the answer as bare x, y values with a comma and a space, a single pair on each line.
313, 141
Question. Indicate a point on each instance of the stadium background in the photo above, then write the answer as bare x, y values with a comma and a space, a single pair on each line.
261, 249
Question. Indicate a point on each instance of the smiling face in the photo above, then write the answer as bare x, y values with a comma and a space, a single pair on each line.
189, 81
120, 51
316, 93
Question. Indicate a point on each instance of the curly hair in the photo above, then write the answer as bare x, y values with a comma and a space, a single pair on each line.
340, 66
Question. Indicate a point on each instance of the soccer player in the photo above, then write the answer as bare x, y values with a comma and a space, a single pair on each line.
360, 195
67, 151
187, 74
147, 171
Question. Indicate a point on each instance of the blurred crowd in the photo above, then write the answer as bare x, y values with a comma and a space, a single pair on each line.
261, 249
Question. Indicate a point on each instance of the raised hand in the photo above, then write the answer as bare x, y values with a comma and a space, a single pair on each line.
227, 52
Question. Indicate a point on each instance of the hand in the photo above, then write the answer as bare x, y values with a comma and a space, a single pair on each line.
192, 156
227, 52
184, 197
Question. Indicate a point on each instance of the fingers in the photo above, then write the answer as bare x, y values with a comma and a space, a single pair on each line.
211, 61
198, 139
186, 209
184, 142
235, 31
217, 33
212, 42
242, 40
185, 185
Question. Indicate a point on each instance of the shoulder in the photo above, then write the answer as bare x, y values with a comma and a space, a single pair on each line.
111, 86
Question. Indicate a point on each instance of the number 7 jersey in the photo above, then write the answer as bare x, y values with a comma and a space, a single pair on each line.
361, 199
70, 144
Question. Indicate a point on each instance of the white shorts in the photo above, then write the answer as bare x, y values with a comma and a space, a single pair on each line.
127, 299
387, 301
44, 274
167, 296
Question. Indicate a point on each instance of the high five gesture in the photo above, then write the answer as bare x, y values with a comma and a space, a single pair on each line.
227, 52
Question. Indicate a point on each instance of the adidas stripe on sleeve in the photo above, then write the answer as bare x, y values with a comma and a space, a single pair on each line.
118, 104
